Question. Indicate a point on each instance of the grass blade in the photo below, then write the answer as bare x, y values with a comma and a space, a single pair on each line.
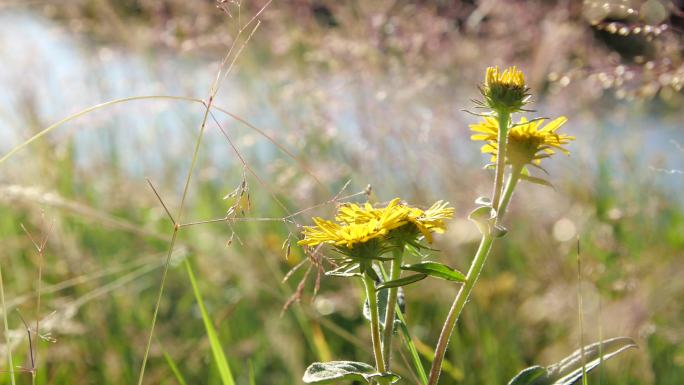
408, 343
6, 328
174, 368
252, 378
216, 348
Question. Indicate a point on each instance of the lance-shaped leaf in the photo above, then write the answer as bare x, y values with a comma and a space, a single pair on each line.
525, 175
538, 181
533, 375
570, 369
436, 269
338, 371
402, 281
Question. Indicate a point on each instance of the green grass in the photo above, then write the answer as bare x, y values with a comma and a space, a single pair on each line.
214, 341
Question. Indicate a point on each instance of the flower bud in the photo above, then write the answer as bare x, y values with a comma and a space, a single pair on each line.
505, 92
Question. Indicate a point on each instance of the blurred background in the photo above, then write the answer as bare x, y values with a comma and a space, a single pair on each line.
339, 95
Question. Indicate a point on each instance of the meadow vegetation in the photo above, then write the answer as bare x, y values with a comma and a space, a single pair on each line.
235, 123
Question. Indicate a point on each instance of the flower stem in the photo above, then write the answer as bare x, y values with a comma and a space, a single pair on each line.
457, 306
508, 191
504, 117
474, 271
395, 273
375, 322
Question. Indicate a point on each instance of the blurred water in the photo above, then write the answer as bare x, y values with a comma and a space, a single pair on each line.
48, 73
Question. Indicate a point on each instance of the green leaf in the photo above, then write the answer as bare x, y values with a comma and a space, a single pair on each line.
174, 368
538, 167
214, 342
483, 201
337, 371
436, 269
417, 246
371, 272
529, 376
252, 378
385, 378
570, 369
499, 231
538, 181
402, 281
484, 217
415, 251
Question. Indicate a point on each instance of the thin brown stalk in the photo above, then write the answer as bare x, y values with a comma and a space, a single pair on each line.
179, 216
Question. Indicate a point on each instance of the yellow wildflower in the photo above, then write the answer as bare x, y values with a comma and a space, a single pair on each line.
397, 215
431, 220
350, 233
504, 92
527, 143
346, 235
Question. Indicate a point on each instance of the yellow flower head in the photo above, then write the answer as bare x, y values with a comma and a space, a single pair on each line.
504, 92
356, 225
527, 142
396, 215
345, 235
431, 220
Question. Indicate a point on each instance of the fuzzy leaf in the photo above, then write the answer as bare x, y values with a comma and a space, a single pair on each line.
569, 370
435, 269
402, 281
529, 376
336, 371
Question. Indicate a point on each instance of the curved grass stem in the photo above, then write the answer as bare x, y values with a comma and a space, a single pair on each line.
160, 294
8, 344
110, 103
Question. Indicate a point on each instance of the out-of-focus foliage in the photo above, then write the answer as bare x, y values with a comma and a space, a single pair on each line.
370, 91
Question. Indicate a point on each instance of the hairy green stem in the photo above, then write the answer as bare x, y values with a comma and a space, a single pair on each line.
457, 306
371, 294
395, 273
482, 252
504, 118
508, 191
